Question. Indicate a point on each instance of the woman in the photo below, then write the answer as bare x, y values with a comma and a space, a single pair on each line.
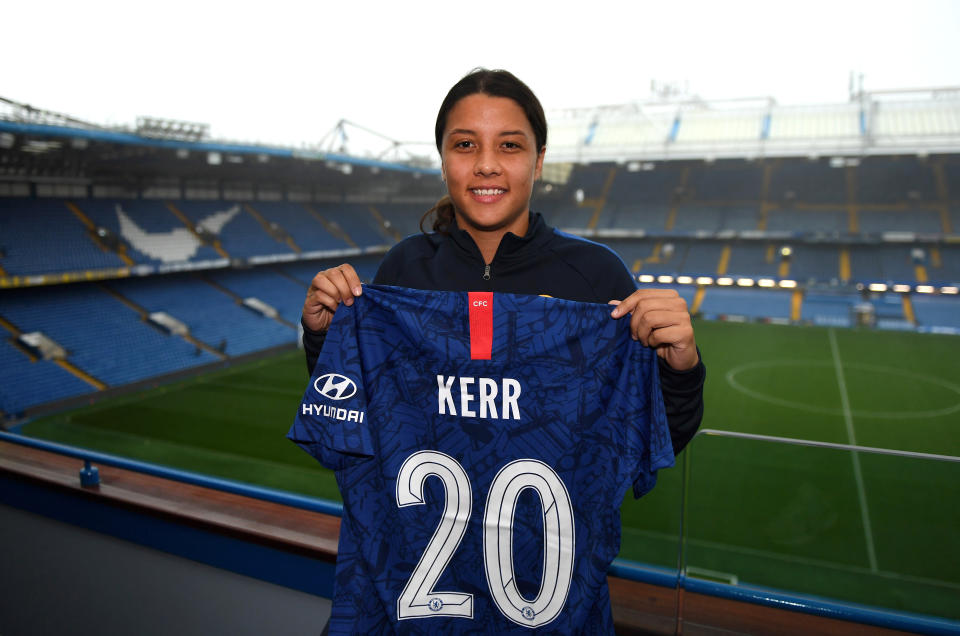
491, 133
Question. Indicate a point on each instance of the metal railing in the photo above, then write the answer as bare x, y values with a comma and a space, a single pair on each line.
679, 579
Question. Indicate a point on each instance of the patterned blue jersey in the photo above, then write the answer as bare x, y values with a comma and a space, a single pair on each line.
483, 444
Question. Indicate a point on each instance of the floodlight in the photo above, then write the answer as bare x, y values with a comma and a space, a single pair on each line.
665, 278
725, 280
646, 278
745, 282
788, 284
877, 287
766, 282
925, 289
948, 290
901, 288
685, 280
704, 280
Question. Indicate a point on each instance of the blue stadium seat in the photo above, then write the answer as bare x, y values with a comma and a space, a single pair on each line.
936, 311
829, 310
25, 384
152, 232
752, 303
42, 236
213, 316
833, 221
242, 236
750, 259
282, 293
357, 221
306, 229
815, 262
102, 336
910, 220
808, 182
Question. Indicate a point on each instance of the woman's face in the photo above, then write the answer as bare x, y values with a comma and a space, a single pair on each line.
490, 161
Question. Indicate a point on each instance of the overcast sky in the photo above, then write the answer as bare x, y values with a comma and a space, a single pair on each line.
286, 72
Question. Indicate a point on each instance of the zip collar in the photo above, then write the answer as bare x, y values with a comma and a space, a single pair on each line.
512, 248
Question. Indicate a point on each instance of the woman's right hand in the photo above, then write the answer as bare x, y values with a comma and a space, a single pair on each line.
328, 289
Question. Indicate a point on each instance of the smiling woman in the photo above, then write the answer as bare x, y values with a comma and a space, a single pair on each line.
491, 134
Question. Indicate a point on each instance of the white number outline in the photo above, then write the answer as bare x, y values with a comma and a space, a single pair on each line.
418, 600
559, 538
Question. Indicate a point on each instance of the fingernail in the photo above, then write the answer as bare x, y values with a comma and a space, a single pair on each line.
357, 290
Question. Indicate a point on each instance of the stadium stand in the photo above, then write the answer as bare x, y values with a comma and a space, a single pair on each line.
721, 302
828, 309
833, 215
829, 222
357, 222
301, 223
754, 259
934, 312
26, 381
214, 315
150, 229
105, 338
41, 236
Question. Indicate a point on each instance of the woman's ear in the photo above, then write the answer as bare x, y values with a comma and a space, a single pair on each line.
538, 172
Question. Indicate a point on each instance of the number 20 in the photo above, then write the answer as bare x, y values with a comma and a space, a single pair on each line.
418, 598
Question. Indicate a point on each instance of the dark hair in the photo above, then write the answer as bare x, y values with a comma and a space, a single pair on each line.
496, 83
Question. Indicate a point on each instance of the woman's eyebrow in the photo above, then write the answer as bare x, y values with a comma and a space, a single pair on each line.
467, 131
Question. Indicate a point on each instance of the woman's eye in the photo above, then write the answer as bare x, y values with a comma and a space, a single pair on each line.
511, 145
466, 143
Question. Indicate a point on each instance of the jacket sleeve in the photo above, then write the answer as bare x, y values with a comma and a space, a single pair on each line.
683, 399
312, 344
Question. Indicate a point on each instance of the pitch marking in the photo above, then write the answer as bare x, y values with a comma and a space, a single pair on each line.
854, 456
766, 364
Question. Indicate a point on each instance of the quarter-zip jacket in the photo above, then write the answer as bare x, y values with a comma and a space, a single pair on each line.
544, 261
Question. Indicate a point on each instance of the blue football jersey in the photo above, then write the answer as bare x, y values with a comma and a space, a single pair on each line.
483, 444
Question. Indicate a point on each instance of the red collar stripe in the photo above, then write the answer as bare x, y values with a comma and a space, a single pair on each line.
481, 325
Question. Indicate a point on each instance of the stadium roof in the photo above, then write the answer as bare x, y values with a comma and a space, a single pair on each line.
915, 121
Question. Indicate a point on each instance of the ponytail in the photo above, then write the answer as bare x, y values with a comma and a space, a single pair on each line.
443, 215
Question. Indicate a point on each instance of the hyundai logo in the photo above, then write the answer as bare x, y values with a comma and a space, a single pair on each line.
335, 386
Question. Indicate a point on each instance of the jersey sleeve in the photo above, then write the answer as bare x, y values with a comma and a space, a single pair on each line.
644, 418
331, 422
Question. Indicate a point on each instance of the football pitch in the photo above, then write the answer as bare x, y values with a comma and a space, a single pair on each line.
857, 526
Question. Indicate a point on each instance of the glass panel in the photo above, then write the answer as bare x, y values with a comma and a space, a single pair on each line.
871, 529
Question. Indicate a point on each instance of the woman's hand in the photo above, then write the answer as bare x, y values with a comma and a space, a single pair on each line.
659, 319
328, 289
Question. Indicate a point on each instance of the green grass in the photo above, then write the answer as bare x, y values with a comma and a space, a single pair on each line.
866, 528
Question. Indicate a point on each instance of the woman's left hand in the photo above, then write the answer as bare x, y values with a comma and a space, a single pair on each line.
659, 319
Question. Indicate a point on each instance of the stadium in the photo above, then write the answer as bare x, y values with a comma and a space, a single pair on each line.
152, 280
